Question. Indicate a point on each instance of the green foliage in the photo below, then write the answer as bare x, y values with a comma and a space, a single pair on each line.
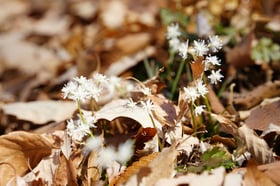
213, 158
265, 51
167, 17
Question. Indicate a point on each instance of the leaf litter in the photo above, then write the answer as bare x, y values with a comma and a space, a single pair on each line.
164, 102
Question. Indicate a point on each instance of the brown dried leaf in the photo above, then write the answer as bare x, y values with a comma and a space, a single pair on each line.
249, 99
254, 177
261, 117
156, 169
226, 125
65, 173
165, 111
272, 171
41, 112
136, 166
213, 178
255, 145
21, 150
93, 171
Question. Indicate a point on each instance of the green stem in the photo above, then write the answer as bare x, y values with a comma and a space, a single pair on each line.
177, 78
80, 112
193, 118
154, 125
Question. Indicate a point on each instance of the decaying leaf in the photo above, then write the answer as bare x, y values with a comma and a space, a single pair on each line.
249, 99
156, 169
262, 116
131, 170
93, 171
254, 177
256, 146
21, 150
41, 112
272, 171
226, 125
118, 108
212, 178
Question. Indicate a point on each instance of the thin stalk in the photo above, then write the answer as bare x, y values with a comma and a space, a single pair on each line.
154, 125
80, 112
193, 119
177, 78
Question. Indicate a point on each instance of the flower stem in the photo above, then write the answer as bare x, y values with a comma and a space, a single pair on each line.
154, 125
177, 78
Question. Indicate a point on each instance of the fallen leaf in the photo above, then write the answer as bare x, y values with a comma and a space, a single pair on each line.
45, 170
210, 178
262, 116
255, 145
156, 169
21, 150
272, 171
41, 112
254, 177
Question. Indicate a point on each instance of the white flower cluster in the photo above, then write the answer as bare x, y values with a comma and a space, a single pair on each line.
201, 48
106, 156
81, 88
80, 127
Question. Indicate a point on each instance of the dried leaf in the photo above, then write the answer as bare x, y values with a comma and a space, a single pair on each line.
213, 178
118, 108
21, 150
271, 128
165, 111
66, 148
226, 125
156, 169
261, 117
93, 170
249, 99
41, 112
254, 177
272, 171
65, 173
45, 170
136, 166
256, 146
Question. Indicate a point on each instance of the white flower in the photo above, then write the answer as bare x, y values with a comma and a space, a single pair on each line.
201, 88
174, 43
125, 151
106, 156
80, 80
215, 76
200, 48
94, 143
68, 89
90, 120
146, 91
173, 31
183, 50
199, 109
215, 43
76, 130
148, 106
93, 90
99, 79
131, 104
191, 93
211, 60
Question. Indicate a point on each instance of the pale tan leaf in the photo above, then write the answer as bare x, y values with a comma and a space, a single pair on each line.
41, 112
93, 170
21, 150
226, 125
255, 145
271, 128
209, 178
156, 169
66, 148
45, 169
118, 108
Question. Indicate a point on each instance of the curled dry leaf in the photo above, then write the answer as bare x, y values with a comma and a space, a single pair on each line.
118, 108
21, 150
41, 112
165, 111
255, 145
